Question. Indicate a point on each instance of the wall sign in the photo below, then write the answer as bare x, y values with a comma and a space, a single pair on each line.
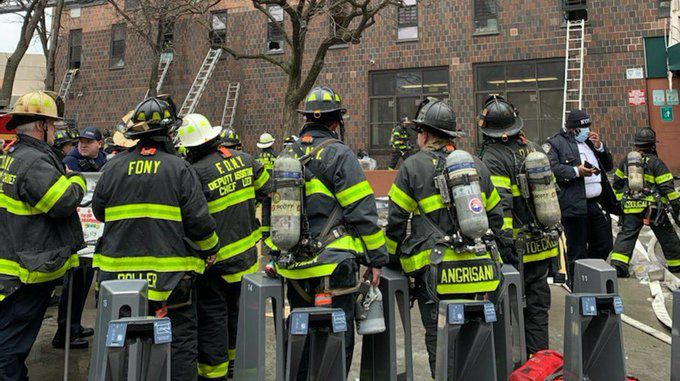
636, 97
667, 113
672, 98
659, 97
635, 73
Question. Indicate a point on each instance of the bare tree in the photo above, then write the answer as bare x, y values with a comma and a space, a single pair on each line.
149, 19
347, 20
32, 12
50, 42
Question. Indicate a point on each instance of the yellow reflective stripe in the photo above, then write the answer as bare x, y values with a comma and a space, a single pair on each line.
2, 297
148, 263
374, 241
260, 181
527, 258
80, 181
347, 243
16, 207
507, 223
673, 262
391, 245
416, 261
492, 201
231, 352
240, 246
222, 203
158, 296
649, 178
237, 277
402, 199
264, 228
673, 195
620, 258
501, 182
468, 288
315, 186
53, 194
208, 243
309, 272
354, 193
620, 174
14, 269
515, 191
432, 203
270, 244
452, 256
154, 211
619, 195
663, 178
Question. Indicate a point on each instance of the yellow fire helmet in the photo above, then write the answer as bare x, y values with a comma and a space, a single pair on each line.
33, 106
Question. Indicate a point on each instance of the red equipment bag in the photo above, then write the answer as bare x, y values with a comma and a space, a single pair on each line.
542, 365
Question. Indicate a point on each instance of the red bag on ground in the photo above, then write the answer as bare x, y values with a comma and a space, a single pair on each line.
539, 367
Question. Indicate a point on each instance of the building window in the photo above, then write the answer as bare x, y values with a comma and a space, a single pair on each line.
75, 48
131, 5
575, 10
536, 88
664, 8
486, 16
397, 94
218, 33
117, 52
407, 20
168, 35
274, 33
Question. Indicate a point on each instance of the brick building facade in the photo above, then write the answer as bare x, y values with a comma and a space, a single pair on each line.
447, 48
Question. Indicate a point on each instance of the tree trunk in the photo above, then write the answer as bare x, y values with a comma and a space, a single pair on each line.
291, 118
153, 79
54, 42
8, 79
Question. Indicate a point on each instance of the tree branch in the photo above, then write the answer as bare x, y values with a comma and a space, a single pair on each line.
270, 59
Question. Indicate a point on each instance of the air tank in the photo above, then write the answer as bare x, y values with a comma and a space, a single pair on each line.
286, 209
543, 190
636, 172
463, 181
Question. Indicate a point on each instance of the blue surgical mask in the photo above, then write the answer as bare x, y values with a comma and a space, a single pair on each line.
583, 135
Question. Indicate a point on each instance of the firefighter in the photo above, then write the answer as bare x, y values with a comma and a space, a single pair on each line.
65, 140
645, 206
339, 202
504, 150
41, 231
158, 227
232, 181
267, 155
230, 139
399, 140
580, 160
414, 196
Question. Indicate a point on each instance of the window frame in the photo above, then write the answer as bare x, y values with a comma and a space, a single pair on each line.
484, 32
71, 46
271, 25
169, 35
396, 96
536, 89
222, 31
412, 24
112, 64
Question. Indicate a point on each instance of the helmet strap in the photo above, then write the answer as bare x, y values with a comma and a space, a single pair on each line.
342, 130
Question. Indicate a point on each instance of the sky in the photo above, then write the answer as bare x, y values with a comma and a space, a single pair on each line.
10, 27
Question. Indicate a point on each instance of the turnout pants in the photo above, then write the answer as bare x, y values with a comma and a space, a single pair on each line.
184, 329
80, 280
21, 315
218, 303
396, 155
631, 224
588, 236
537, 294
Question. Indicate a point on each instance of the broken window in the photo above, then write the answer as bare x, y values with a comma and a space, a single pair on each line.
168, 35
407, 20
218, 34
117, 52
486, 16
75, 45
274, 33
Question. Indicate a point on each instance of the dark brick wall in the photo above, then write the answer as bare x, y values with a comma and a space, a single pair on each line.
527, 30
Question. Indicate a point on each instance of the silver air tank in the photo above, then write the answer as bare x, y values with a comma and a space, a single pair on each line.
286, 210
543, 190
463, 181
636, 172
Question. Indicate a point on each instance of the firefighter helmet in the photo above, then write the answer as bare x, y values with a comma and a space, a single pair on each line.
645, 136
153, 116
230, 138
266, 141
35, 106
196, 130
436, 115
63, 137
323, 103
499, 118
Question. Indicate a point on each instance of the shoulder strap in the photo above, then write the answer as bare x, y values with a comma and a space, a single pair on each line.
306, 158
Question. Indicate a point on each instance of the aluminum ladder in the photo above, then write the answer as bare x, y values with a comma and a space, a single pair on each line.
201, 80
573, 68
66, 83
230, 105
163, 67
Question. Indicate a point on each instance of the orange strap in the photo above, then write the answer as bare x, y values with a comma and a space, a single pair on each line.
225, 152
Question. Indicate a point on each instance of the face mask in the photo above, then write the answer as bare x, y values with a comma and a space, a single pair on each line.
583, 135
